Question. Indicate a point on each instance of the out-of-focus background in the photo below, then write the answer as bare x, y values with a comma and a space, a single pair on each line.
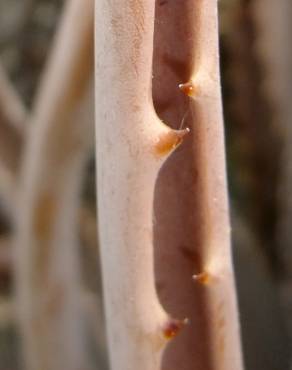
256, 64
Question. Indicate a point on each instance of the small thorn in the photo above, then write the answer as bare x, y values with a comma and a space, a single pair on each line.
189, 89
170, 140
173, 327
202, 278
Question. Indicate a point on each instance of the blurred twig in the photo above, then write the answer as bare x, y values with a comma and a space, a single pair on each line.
12, 123
273, 47
12, 131
48, 277
254, 139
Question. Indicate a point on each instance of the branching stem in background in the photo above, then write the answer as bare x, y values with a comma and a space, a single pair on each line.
274, 51
47, 261
12, 130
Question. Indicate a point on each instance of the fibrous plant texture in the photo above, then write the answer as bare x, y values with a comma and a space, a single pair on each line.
183, 231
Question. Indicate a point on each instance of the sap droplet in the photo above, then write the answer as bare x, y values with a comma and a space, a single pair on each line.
172, 327
169, 141
189, 89
203, 278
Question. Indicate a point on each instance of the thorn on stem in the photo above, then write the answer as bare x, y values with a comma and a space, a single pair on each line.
173, 327
203, 278
189, 89
170, 140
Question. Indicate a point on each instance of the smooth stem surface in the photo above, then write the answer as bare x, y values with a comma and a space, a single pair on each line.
192, 232
131, 144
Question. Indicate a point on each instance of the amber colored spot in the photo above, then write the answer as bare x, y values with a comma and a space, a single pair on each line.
44, 215
169, 141
221, 344
221, 323
189, 89
202, 278
172, 328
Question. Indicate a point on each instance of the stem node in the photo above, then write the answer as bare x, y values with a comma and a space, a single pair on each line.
203, 278
190, 89
169, 141
172, 327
